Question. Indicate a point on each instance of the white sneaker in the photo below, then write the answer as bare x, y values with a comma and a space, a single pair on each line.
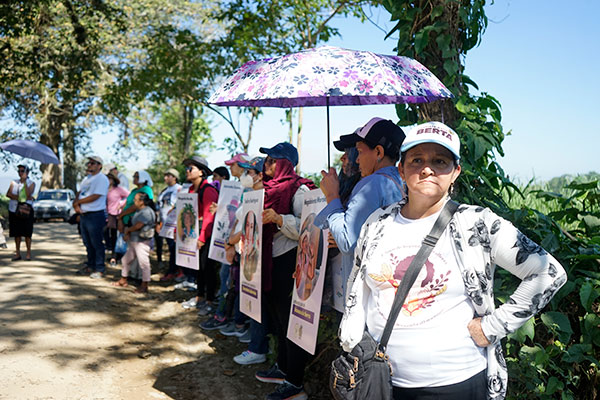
191, 303
186, 285
248, 357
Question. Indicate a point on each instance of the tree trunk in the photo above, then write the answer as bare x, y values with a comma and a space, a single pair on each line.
50, 123
188, 121
69, 157
289, 117
433, 59
299, 138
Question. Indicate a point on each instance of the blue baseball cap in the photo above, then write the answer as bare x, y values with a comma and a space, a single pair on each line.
256, 164
282, 150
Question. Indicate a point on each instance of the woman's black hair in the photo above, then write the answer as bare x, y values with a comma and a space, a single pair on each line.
222, 171
146, 200
394, 154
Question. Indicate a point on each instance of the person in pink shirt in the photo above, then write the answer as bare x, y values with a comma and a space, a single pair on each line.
114, 203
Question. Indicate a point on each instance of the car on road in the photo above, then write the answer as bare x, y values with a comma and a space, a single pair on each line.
56, 203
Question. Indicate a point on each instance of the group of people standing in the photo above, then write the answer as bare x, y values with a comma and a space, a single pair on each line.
381, 205
380, 209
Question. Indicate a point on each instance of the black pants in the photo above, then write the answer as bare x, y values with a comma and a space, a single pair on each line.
158, 242
291, 358
207, 275
474, 388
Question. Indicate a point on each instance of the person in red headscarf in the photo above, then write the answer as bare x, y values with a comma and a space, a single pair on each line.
284, 193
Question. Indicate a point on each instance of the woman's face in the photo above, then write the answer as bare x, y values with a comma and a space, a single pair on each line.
250, 229
187, 220
428, 170
367, 158
138, 201
217, 177
192, 172
22, 172
270, 166
136, 180
345, 163
236, 170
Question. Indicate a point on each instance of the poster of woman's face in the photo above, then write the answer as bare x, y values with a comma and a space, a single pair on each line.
250, 246
186, 224
310, 250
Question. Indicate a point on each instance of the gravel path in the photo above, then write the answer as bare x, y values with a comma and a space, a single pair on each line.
64, 336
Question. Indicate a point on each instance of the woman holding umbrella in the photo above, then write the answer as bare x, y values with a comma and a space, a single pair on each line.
20, 211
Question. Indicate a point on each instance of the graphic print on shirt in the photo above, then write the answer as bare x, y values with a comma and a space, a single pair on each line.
430, 283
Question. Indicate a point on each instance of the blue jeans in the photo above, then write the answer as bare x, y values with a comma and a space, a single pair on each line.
224, 277
92, 228
259, 341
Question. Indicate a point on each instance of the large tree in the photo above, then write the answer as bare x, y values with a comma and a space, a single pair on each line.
50, 70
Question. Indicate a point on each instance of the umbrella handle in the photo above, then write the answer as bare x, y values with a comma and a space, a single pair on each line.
328, 139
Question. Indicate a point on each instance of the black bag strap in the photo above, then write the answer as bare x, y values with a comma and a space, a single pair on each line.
415, 267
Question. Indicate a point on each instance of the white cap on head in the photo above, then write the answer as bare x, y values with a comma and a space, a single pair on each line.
432, 132
109, 166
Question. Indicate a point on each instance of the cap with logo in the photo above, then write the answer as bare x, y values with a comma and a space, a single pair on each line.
378, 131
433, 132
256, 164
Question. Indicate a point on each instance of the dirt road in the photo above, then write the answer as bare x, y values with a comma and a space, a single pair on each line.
64, 336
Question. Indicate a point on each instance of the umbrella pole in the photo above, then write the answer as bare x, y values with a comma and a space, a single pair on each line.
328, 139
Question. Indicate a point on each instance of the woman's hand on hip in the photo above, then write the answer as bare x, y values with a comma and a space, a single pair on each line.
474, 327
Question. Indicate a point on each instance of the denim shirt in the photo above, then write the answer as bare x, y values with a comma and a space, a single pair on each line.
379, 189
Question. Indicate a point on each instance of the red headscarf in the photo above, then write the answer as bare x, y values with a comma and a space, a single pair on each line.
279, 193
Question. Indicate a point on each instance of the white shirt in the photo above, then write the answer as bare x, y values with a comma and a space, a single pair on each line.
16, 188
289, 232
430, 344
94, 184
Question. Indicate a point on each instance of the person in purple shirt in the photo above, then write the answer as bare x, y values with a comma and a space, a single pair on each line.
378, 144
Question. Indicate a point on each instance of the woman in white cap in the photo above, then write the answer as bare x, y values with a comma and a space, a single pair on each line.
143, 183
445, 343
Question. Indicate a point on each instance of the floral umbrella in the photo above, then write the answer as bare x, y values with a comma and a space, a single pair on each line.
326, 76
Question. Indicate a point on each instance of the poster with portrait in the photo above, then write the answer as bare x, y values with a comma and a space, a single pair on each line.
335, 269
186, 237
309, 276
168, 227
250, 257
230, 196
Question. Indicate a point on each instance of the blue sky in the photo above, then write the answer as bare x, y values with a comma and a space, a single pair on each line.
538, 58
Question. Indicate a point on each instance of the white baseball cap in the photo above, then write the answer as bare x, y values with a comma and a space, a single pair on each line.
432, 132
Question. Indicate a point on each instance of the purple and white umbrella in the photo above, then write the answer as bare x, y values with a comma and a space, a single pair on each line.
328, 75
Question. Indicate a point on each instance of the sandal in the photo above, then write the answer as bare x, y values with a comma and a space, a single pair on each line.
120, 283
16, 258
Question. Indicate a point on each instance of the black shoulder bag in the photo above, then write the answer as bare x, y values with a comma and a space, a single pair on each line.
365, 372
